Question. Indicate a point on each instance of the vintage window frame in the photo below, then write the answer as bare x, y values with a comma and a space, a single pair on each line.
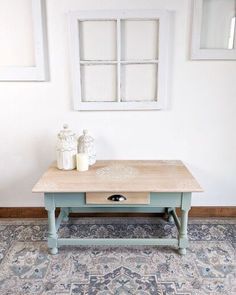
163, 16
39, 72
197, 53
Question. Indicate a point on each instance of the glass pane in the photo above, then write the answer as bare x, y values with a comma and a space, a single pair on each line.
218, 24
139, 39
139, 82
97, 40
16, 33
98, 83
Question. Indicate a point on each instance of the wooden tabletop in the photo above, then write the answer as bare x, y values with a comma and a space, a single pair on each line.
121, 176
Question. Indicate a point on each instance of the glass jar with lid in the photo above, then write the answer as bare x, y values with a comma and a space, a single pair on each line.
66, 149
86, 145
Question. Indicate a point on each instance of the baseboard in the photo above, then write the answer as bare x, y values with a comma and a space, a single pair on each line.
40, 212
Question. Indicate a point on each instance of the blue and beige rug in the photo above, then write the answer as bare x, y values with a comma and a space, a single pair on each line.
208, 268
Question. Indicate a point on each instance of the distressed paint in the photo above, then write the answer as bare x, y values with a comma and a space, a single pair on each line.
159, 202
163, 16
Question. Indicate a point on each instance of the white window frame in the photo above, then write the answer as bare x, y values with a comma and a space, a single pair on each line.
39, 72
197, 53
164, 27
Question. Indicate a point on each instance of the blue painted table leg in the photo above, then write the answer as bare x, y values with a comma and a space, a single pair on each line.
169, 215
66, 214
183, 235
52, 231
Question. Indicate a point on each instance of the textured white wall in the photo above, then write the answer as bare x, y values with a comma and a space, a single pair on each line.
199, 128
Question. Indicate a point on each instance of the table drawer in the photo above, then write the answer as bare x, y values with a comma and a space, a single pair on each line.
108, 198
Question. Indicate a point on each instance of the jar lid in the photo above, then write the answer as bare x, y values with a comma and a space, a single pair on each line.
85, 138
65, 133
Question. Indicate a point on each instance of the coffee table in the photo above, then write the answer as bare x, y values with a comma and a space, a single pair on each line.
119, 186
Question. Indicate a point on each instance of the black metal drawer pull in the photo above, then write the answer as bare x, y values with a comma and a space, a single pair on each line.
116, 198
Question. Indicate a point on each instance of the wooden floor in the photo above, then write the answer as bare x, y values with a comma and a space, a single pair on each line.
40, 212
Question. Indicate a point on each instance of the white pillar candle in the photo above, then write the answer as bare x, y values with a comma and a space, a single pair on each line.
82, 162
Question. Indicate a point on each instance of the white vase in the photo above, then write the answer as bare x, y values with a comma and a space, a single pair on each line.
86, 145
66, 149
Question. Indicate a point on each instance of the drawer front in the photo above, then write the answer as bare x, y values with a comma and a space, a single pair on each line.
106, 198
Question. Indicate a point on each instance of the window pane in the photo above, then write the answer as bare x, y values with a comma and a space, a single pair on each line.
97, 40
139, 82
139, 39
16, 33
98, 83
218, 24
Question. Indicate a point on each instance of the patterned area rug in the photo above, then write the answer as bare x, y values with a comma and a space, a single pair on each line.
208, 268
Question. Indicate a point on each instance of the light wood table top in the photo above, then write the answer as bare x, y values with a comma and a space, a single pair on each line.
121, 176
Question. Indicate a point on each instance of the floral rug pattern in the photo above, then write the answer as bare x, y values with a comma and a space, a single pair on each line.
208, 268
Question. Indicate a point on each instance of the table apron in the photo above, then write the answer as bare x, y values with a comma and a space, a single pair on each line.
79, 200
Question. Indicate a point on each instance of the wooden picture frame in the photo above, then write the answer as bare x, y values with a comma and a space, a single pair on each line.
160, 100
198, 53
39, 72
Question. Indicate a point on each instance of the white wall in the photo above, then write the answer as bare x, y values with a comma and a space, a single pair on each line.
199, 128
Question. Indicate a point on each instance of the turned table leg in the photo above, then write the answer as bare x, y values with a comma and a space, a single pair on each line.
169, 215
183, 234
52, 231
66, 214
